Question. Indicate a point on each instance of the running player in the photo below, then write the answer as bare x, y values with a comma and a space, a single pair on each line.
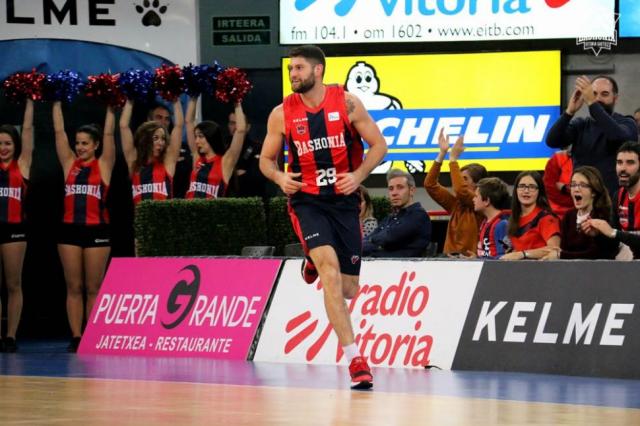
322, 125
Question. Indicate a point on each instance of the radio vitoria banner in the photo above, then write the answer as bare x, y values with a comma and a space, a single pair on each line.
378, 21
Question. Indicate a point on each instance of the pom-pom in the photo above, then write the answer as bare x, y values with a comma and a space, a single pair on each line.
232, 85
61, 86
22, 85
104, 89
137, 85
199, 79
169, 82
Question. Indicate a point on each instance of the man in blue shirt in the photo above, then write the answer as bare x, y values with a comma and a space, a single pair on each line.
406, 232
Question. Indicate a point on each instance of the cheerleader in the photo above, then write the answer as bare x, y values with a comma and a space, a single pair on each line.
213, 162
151, 154
15, 163
84, 241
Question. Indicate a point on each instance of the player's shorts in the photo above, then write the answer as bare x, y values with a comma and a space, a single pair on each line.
13, 233
333, 221
84, 236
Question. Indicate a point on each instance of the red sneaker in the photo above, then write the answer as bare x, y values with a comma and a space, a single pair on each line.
309, 272
361, 377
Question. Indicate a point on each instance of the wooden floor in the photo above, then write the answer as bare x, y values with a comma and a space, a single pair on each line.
59, 388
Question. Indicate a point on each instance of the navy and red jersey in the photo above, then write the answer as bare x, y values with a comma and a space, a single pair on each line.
628, 210
206, 179
493, 241
535, 229
151, 182
13, 188
85, 195
322, 141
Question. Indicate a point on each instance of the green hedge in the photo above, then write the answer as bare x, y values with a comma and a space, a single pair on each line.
218, 227
199, 227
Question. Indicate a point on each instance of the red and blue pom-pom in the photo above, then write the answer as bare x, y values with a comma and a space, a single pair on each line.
169, 82
137, 85
22, 85
232, 85
61, 86
104, 89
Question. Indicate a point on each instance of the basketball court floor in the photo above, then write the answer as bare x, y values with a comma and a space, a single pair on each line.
42, 384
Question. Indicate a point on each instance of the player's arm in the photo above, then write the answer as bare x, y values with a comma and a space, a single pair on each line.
348, 182
270, 151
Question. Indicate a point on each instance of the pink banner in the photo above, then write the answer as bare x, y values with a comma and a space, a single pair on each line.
180, 307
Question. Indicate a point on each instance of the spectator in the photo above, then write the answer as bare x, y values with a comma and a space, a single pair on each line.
160, 114
626, 211
636, 117
591, 201
595, 139
406, 232
368, 222
532, 225
557, 177
247, 181
490, 196
463, 226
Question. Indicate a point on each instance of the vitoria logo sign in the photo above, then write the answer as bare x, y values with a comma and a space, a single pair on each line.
353, 21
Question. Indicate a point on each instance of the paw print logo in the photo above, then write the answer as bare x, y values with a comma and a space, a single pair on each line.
151, 11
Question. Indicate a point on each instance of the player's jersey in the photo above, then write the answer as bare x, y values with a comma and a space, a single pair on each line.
151, 182
13, 188
85, 195
322, 142
206, 179
628, 210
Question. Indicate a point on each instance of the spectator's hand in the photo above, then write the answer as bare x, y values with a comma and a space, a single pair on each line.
560, 186
575, 102
288, 183
583, 84
514, 255
443, 141
457, 149
347, 183
599, 226
466, 255
586, 228
553, 253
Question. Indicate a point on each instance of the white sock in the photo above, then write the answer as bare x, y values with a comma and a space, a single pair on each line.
351, 351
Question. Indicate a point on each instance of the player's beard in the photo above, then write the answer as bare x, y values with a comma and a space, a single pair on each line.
305, 85
631, 180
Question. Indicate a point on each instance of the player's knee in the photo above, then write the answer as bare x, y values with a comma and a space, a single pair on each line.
349, 291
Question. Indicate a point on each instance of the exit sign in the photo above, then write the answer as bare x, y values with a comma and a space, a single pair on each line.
238, 30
